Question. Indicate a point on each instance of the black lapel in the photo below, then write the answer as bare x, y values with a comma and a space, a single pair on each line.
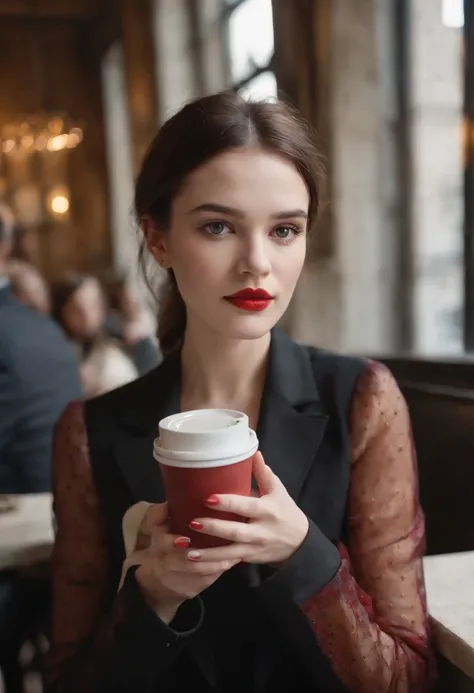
156, 395
292, 423
290, 429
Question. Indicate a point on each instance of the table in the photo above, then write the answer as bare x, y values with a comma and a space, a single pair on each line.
450, 591
26, 533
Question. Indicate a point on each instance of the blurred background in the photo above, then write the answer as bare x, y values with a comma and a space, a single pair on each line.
387, 83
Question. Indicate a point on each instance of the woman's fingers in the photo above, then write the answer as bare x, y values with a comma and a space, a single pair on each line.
237, 532
163, 543
265, 478
246, 506
232, 552
173, 559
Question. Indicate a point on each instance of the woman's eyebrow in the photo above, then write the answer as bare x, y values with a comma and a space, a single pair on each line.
220, 209
232, 211
291, 213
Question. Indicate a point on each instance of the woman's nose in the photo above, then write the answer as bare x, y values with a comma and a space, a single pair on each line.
255, 258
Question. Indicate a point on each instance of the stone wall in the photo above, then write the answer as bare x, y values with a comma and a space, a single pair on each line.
351, 300
345, 301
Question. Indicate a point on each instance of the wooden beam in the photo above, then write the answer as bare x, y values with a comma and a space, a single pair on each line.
136, 29
103, 30
51, 9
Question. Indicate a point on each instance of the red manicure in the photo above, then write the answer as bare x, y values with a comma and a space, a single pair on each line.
212, 500
195, 525
182, 542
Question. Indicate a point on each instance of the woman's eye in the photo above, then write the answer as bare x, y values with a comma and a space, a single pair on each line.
284, 233
216, 228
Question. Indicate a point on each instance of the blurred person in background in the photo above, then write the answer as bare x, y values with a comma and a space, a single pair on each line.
39, 376
79, 307
29, 286
129, 322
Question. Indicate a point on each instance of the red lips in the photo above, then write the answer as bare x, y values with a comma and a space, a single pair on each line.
250, 299
255, 294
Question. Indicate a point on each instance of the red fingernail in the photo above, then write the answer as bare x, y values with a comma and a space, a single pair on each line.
182, 542
194, 556
212, 500
195, 525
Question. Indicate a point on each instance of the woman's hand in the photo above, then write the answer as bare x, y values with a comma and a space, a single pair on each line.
276, 529
165, 575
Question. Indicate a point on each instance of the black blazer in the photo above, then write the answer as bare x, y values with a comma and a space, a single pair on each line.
39, 376
247, 632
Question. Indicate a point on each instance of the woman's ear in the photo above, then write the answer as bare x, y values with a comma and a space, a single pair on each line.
156, 241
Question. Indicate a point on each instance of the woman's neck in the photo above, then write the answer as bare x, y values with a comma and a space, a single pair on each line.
221, 372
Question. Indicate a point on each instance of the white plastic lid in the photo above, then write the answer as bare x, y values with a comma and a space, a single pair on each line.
205, 437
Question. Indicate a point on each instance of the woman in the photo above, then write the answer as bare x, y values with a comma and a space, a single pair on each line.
132, 325
322, 590
79, 307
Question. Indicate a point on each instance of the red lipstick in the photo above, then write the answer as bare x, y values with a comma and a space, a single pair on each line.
253, 300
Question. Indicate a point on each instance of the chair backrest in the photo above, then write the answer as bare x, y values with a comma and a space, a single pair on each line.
458, 373
443, 429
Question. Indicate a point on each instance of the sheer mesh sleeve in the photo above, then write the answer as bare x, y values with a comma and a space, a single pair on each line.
95, 647
371, 619
80, 560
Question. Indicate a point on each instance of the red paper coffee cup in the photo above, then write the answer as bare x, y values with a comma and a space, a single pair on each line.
201, 453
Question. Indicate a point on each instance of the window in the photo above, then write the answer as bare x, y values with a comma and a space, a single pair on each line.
249, 30
261, 87
453, 13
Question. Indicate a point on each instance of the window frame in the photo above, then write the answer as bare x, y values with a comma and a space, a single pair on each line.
229, 8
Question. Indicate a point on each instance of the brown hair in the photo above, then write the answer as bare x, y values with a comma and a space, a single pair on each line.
63, 290
198, 132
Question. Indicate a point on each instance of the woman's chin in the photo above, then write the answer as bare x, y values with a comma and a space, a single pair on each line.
251, 326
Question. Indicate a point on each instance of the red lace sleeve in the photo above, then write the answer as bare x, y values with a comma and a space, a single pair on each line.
80, 559
371, 619
95, 646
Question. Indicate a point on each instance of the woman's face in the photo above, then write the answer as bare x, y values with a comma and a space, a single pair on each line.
83, 314
239, 222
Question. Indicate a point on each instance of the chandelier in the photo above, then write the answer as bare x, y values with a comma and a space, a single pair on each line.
40, 132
